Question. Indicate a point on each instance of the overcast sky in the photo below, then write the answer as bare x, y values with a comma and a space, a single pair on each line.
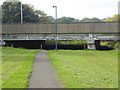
76, 8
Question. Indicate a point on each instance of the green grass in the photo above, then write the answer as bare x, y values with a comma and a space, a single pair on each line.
16, 67
115, 44
86, 68
75, 42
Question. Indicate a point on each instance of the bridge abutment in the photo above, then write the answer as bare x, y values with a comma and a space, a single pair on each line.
91, 46
91, 42
95, 45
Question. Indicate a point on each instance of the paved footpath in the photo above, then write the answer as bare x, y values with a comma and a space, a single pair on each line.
43, 75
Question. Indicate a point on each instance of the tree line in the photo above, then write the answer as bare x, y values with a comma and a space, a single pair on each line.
11, 13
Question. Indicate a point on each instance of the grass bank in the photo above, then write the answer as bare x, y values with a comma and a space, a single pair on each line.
75, 42
114, 44
16, 67
86, 68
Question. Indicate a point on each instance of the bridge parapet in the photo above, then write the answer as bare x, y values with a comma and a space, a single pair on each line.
63, 28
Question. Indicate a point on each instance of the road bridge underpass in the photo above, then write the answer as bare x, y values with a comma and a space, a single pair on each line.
91, 32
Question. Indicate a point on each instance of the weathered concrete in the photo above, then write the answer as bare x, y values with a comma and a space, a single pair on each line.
43, 75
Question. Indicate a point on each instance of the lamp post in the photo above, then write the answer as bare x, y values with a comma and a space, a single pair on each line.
56, 23
21, 13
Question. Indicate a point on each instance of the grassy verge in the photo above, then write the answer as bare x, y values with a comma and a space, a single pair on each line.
75, 42
16, 67
115, 44
86, 68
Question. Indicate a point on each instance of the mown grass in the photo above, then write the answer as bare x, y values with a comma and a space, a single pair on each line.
86, 68
16, 67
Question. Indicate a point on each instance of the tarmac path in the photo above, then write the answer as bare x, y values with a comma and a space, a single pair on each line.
43, 75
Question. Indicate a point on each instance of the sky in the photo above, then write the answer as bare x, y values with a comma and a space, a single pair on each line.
78, 9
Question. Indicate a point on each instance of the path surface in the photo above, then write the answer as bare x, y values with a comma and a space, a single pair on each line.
43, 75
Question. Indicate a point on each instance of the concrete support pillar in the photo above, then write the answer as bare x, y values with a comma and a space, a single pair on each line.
12, 45
91, 46
91, 42
41, 46
95, 45
2, 43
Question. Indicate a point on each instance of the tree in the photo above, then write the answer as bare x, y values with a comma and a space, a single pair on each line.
11, 13
85, 19
116, 17
67, 20
51, 18
95, 19
12, 1
90, 19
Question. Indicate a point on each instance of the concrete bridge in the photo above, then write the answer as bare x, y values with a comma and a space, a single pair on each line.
89, 31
